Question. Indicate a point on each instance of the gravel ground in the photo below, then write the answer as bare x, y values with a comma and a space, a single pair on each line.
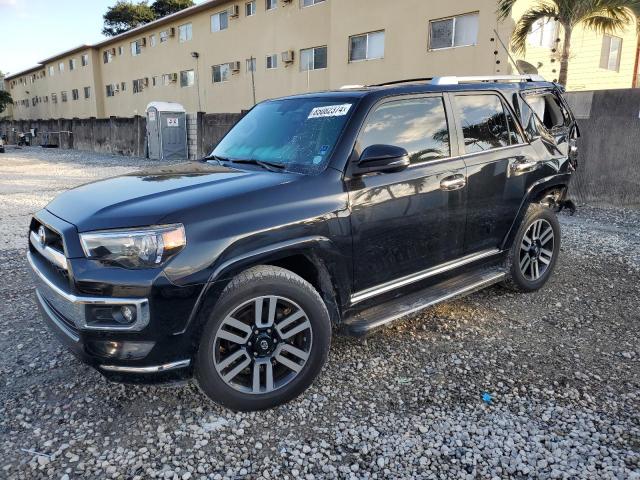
559, 370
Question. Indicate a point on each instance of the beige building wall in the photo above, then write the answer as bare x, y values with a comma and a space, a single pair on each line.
290, 26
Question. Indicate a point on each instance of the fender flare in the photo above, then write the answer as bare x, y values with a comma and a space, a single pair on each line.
237, 263
556, 180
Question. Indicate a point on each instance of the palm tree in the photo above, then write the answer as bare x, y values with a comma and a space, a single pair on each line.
603, 16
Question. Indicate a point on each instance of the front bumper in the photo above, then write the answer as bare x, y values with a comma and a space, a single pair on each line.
143, 353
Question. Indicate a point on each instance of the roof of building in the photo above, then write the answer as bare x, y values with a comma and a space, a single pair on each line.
207, 4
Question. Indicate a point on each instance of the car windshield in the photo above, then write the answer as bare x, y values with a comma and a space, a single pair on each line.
297, 134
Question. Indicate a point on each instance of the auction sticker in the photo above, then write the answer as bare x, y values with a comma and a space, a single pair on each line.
172, 122
330, 111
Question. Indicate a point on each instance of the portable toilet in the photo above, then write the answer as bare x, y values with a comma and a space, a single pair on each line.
166, 131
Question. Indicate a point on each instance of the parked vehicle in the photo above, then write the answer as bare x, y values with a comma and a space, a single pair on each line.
336, 211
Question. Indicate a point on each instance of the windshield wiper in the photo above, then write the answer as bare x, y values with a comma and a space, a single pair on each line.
217, 158
272, 166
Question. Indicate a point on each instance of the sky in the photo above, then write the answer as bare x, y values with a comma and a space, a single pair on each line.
32, 30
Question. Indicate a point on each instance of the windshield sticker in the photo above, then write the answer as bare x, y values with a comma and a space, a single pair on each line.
317, 160
330, 111
323, 149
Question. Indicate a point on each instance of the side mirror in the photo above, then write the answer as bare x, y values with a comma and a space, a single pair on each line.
382, 158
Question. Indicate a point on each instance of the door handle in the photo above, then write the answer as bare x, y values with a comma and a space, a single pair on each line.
454, 182
520, 167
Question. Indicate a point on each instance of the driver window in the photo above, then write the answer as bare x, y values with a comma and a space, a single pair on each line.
419, 125
549, 110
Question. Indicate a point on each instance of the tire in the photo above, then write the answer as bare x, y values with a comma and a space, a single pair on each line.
275, 355
540, 225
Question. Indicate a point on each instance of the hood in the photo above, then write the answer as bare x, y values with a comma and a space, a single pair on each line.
146, 197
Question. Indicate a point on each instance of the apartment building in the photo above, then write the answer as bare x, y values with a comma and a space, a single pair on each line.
223, 56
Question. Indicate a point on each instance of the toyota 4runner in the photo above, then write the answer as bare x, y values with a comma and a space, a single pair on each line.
334, 211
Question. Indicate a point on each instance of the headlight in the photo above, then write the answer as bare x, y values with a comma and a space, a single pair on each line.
136, 248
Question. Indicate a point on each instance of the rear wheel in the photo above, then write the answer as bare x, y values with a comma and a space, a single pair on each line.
535, 249
265, 341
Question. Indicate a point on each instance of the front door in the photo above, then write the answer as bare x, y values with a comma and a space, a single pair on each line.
408, 221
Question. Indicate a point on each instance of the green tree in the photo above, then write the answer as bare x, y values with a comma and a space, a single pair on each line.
162, 8
125, 15
603, 16
5, 99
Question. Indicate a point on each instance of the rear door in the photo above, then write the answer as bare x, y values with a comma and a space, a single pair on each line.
500, 167
408, 221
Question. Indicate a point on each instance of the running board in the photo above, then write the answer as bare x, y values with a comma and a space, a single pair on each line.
368, 320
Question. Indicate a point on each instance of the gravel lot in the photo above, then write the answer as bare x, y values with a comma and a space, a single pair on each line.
562, 368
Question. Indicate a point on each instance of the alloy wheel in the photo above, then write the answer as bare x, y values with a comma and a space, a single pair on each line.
536, 249
262, 344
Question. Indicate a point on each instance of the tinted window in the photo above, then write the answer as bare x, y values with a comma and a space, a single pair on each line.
418, 125
484, 123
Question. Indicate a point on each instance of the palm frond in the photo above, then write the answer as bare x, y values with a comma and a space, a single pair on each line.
604, 24
504, 8
538, 12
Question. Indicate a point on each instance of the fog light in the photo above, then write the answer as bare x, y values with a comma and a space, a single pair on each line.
124, 315
119, 350
128, 313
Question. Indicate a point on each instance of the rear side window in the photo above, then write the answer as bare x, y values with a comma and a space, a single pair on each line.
419, 125
486, 124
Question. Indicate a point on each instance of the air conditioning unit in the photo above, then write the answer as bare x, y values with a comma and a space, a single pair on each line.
234, 11
288, 56
172, 32
234, 66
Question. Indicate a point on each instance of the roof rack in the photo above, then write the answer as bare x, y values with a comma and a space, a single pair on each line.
487, 78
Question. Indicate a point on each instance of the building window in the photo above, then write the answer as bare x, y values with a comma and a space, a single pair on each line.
154, 81
138, 85
63, 96
51, 70
219, 21
107, 56
271, 4
72, 64
272, 61
136, 49
221, 73
611, 50
250, 8
74, 94
120, 50
185, 32
313, 58
459, 31
419, 125
87, 92
187, 78
544, 33
123, 86
308, 3
168, 78
251, 65
54, 98
111, 90
366, 47
84, 60
152, 40
164, 36
61, 67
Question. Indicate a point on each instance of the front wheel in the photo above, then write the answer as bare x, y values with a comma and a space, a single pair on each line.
265, 340
535, 250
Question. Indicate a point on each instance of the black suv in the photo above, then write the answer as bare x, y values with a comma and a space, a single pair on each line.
341, 210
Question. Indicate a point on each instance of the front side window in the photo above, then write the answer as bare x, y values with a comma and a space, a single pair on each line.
221, 73
250, 8
313, 58
419, 125
368, 46
549, 110
187, 78
611, 50
458, 31
185, 32
272, 61
298, 133
219, 21
485, 123
271, 4
543, 33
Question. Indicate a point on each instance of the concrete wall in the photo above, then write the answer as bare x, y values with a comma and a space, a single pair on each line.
609, 169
